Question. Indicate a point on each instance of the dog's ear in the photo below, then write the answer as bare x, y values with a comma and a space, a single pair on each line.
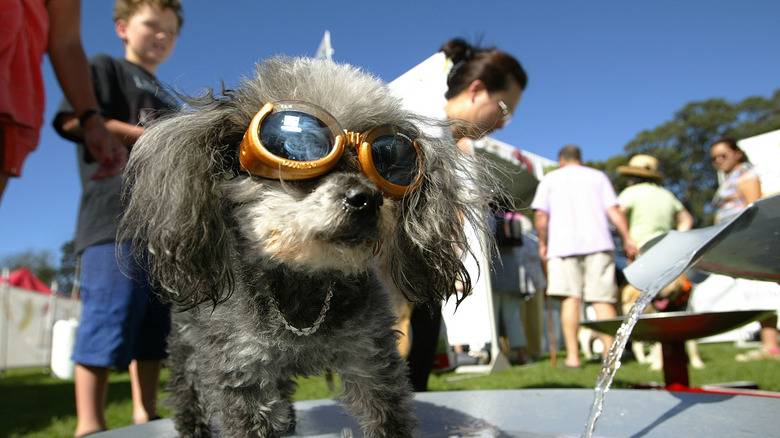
432, 240
172, 215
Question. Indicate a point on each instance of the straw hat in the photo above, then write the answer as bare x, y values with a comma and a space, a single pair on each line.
643, 166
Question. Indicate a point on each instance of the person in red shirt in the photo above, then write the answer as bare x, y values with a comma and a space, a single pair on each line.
28, 29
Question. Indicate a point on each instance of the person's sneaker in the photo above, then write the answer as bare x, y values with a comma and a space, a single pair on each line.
759, 354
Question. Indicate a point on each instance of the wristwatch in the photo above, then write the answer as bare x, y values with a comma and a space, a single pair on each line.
88, 114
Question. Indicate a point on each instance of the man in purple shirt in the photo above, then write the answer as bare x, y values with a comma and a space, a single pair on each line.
572, 207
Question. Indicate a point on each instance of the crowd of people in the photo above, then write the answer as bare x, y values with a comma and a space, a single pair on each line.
570, 257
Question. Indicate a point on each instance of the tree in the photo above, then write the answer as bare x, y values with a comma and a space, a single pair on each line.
66, 274
42, 263
682, 146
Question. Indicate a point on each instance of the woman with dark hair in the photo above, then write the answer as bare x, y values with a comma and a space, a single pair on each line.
474, 90
484, 87
740, 187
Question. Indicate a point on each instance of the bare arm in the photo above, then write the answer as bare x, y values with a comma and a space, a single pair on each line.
125, 132
541, 223
67, 54
72, 70
750, 189
621, 225
684, 220
626, 212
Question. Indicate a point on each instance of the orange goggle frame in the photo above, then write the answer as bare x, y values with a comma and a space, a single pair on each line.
293, 140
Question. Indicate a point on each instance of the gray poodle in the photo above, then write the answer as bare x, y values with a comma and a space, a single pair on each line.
279, 217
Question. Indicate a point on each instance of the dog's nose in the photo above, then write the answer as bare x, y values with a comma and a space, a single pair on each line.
363, 199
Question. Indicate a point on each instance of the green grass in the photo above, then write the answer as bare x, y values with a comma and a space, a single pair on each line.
35, 405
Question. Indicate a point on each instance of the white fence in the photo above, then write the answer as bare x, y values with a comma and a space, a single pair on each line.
26, 322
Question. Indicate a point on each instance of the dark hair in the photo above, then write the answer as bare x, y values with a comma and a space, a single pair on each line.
634, 179
570, 152
732, 144
489, 65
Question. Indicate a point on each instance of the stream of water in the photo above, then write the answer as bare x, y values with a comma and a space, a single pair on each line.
612, 362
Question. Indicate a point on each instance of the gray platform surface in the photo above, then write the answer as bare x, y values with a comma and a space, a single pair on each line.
544, 413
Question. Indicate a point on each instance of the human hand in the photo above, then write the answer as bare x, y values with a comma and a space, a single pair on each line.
109, 152
630, 249
543, 251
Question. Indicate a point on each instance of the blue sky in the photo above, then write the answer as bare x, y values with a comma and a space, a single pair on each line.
600, 71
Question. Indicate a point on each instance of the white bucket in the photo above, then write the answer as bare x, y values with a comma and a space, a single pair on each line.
62, 342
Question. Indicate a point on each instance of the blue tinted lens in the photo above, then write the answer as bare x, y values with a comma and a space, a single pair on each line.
296, 136
395, 158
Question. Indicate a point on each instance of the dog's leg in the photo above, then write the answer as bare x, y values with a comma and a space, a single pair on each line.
657, 361
251, 410
212, 398
656, 357
693, 354
379, 396
585, 339
287, 389
190, 419
638, 348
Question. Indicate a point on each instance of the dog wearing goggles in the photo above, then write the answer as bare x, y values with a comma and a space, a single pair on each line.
280, 218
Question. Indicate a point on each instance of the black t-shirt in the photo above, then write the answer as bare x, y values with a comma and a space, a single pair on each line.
128, 93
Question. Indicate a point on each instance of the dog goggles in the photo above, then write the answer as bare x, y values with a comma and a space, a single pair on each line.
295, 140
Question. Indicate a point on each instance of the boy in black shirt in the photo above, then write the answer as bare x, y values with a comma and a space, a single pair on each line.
122, 325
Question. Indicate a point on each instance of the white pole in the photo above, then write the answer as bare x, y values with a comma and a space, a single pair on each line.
50, 318
4, 292
325, 50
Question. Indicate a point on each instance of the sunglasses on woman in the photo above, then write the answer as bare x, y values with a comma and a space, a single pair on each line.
293, 140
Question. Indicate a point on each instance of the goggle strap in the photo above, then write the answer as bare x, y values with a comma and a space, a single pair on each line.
352, 139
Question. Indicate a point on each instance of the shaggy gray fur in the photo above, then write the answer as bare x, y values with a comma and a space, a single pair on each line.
239, 254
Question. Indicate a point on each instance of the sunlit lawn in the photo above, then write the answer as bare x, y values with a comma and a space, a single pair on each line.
33, 404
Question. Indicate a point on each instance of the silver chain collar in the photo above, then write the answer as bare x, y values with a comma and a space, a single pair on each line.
306, 331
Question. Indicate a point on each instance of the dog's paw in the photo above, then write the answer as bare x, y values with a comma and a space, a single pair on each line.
638, 349
697, 363
292, 422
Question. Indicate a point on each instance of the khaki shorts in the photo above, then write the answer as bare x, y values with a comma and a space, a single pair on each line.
590, 277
